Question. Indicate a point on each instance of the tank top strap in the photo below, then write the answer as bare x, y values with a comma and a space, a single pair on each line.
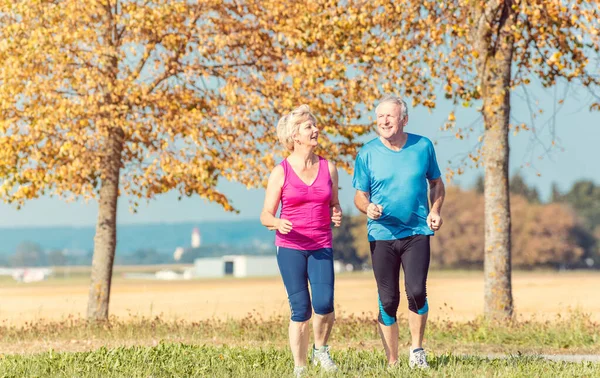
286, 167
324, 167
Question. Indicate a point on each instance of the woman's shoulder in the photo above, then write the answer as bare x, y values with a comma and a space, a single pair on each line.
330, 166
277, 174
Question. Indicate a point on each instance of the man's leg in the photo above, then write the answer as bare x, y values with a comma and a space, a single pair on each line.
416, 324
386, 267
389, 338
415, 263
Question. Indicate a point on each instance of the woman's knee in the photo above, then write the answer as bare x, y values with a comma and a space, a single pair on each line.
300, 306
323, 299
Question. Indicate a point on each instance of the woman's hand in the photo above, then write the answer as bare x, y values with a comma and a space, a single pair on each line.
336, 215
284, 226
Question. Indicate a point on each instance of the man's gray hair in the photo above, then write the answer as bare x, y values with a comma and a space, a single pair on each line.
395, 100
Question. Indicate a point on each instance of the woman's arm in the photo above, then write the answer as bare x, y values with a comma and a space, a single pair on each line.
336, 210
272, 199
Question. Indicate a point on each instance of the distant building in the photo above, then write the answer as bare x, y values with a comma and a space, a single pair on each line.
27, 275
195, 244
236, 266
196, 238
179, 251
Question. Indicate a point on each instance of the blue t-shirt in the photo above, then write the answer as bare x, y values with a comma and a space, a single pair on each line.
397, 180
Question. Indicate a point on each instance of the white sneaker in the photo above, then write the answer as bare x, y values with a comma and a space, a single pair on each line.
322, 356
300, 371
417, 359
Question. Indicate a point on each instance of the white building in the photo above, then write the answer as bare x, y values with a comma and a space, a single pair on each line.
196, 238
236, 266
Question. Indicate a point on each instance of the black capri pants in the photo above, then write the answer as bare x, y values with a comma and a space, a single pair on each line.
413, 254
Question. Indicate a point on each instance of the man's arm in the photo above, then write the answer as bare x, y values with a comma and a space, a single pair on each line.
362, 201
437, 192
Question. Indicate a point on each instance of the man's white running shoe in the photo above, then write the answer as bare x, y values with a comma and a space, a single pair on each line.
300, 371
322, 356
418, 359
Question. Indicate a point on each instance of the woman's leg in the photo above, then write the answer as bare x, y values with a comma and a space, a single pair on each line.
293, 267
321, 277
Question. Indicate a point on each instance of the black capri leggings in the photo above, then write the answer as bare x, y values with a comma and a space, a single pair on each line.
413, 254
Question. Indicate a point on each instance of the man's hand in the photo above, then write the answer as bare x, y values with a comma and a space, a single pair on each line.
284, 226
374, 211
336, 215
434, 220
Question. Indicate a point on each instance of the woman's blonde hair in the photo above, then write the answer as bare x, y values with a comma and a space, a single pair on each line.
288, 125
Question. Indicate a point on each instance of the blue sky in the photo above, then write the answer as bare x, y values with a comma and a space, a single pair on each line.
576, 130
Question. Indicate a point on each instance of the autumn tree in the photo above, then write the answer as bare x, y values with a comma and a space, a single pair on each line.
548, 235
105, 98
476, 52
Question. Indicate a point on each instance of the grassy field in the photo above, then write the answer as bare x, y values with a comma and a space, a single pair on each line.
233, 327
454, 296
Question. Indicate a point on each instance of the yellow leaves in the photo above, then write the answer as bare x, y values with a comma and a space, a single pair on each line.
555, 58
66, 149
207, 95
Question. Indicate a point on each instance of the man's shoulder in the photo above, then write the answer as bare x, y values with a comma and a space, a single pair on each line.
369, 147
420, 139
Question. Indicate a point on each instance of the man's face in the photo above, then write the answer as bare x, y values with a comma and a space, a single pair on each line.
389, 123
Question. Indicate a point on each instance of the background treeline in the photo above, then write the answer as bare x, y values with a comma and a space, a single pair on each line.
562, 233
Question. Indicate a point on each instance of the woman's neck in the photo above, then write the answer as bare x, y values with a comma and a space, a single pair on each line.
305, 157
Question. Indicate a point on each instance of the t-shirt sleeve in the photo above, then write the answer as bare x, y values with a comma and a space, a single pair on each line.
433, 171
361, 179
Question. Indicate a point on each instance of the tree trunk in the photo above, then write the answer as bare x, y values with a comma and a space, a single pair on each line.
494, 67
105, 240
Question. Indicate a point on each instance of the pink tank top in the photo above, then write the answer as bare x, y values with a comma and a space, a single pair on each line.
307, 207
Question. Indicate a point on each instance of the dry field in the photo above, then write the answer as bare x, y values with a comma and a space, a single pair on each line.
452, 295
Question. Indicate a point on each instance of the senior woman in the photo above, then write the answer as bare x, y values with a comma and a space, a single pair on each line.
307, 187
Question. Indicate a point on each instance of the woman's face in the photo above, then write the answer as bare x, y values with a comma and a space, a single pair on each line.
308, 134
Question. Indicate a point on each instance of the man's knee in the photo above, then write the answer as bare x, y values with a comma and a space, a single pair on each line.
388, 307
417, 300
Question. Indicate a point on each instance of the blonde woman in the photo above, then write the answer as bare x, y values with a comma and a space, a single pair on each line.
306, 185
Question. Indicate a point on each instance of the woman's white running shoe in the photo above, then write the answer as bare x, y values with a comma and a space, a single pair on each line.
300, 371
321, 356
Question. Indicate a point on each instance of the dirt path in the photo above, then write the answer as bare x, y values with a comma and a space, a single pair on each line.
452, 295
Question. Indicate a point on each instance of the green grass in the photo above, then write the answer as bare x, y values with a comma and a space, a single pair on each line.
181, 360
256, 347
